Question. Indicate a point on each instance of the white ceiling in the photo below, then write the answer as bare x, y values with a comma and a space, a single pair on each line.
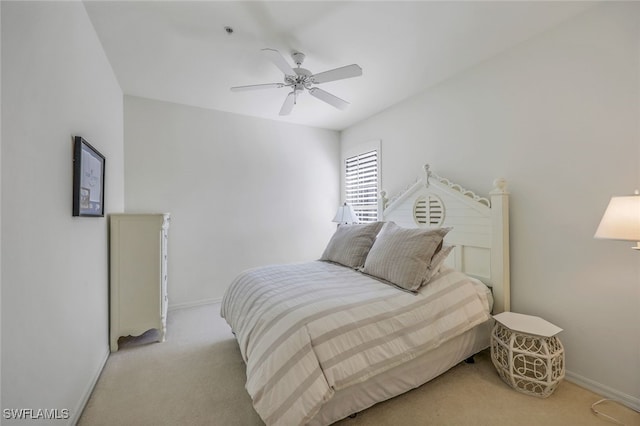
178, 51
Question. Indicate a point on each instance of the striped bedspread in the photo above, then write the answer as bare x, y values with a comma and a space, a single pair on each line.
307, 330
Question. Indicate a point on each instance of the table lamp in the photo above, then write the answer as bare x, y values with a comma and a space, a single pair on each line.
345, 215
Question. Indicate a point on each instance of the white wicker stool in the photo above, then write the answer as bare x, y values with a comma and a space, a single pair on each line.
527, 354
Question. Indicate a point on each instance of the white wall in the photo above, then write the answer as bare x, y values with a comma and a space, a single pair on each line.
56, 83
242, 191
558, 117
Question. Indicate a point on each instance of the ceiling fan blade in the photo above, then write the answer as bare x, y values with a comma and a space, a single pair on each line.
279, 61
257, 87
341, 73
287, 106
328, 98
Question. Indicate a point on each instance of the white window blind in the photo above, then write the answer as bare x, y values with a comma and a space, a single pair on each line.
361, 185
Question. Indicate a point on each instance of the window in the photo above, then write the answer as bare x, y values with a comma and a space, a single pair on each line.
361, 185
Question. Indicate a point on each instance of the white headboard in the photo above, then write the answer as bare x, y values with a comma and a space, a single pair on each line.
480, 227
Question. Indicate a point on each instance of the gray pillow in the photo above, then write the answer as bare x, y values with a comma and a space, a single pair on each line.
403, 255
436, 263
350, 244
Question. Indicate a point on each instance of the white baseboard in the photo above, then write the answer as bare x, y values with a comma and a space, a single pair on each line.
194, 304
75, 417
605, 391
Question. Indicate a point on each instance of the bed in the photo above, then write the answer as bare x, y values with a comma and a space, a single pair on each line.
388, 307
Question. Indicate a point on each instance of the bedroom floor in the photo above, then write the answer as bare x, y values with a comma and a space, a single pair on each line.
197, 378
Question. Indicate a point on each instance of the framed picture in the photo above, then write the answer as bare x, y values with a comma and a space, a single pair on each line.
88, 179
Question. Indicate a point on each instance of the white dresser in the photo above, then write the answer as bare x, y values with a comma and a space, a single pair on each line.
138, 268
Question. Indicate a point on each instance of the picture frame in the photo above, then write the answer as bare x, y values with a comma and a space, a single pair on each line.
88, 179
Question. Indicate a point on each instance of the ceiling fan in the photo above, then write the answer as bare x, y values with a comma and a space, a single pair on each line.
300, 79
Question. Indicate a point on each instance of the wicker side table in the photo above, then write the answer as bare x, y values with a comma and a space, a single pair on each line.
527, 353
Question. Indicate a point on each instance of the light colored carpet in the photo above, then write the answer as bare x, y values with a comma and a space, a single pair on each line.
197, 377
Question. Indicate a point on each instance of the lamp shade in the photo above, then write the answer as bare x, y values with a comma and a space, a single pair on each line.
345, 214
621, 220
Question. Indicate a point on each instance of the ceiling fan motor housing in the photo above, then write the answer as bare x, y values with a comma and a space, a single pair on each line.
301, 80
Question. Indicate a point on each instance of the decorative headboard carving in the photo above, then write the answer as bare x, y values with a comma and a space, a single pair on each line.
480, 226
